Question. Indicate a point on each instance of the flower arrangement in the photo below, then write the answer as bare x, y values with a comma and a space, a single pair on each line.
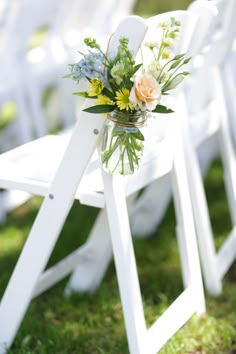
120, 85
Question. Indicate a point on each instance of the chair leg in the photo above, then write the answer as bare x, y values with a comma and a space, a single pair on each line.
225, 139
125, 263
142, 340
229, 162
227, 79
97, 253
186, 235
145, 213
41, 241
202, 221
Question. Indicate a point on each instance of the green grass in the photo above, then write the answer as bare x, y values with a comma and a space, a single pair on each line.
93, 324
151, 7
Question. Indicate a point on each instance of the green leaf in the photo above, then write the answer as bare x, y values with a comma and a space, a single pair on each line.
137, 67
172, 21
100, 108
81, 94
172, 84
162, 109
138, 135
112, 83
175, 64
178, 56
68, 76
108, 93
187, 60
130, 157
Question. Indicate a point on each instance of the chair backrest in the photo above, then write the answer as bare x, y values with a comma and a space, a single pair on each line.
25, 18
83, 18
188, 22
136, 35
88, 128
207, 51
221, 33
119, 10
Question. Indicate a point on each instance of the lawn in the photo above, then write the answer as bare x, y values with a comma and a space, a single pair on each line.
93, 324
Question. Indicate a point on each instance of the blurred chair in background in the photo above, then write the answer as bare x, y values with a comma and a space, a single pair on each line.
40, 67
27, 73
45, 65
221, 32
18, 130
228, 61
207, 134
207, 129
15, 128
208, 108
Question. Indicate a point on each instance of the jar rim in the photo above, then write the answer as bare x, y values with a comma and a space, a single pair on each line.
137, 118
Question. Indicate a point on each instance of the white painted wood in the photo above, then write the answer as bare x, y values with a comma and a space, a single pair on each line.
206, 132
227, 72
185, 221
84, 259
162, 151
226, 254
96, 255
218, 44
174, 317
125, 262
43, 234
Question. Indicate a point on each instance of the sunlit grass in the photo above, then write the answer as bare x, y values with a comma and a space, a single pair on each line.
149, 7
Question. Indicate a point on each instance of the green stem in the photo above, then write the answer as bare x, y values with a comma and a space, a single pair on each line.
159, 76
171, 76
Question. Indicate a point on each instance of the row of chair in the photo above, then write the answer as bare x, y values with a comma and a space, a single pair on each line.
28, 70
210, 122
66, 167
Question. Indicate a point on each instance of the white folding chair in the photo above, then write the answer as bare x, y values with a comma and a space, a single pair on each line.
213, 120
91, 19
206, 133
227, 25
73, 23
40, 67
73, 171
18, 130
145, 213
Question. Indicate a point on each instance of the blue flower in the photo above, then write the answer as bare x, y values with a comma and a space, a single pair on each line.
90, 67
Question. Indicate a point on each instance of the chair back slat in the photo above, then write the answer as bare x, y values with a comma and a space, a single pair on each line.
218, 41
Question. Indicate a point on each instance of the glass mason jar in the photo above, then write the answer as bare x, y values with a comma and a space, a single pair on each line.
123, 142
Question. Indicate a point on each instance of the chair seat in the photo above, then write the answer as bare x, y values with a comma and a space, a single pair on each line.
32, 166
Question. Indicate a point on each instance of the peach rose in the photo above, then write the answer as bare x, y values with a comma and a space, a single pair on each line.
145, 90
